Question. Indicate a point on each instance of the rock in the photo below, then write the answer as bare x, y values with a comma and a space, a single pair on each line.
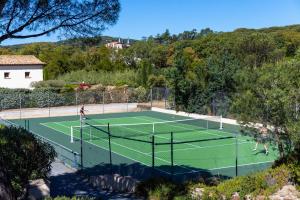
260, 197
38, 189
235, 196
288, 192
197, 193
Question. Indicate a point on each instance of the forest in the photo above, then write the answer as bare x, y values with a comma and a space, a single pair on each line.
248, 74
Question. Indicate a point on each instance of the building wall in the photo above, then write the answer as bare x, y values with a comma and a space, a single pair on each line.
17, 76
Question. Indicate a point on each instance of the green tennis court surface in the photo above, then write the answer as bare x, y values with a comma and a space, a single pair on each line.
198, 144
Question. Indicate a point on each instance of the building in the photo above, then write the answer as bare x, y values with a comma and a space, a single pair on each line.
118, 44
19, 71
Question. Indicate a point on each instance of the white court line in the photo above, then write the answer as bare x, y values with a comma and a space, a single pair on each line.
106, 149
201, 131
201, 147
147, 154
231, 166
87, 119
195, 146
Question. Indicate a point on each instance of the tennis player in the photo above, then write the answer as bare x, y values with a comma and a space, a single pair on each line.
262, 138
82, 112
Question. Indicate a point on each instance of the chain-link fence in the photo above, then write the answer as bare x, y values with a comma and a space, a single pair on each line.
49, 102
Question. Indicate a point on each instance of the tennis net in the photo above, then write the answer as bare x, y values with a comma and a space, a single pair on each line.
143, 131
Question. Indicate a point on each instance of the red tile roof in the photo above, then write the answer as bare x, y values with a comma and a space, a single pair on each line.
19, 60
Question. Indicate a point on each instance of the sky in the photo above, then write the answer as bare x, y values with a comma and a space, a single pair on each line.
140, 18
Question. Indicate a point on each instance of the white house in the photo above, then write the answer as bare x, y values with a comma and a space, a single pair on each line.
19, 71
118, 44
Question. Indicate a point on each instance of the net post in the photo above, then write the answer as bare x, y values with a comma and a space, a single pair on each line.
109, 147
28, 125
153, 154
172, 155
153, 128
81, 150
221, 122
72, 134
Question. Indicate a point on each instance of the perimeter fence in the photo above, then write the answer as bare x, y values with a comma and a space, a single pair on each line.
182, 149
22, 103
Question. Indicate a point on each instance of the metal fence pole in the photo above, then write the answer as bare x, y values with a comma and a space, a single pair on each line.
151, 97
172, 155
103, 96
81, 138
153, 154
165, 97
49, 103
76, 102
236, 155
127, 104
20, 102
109, 147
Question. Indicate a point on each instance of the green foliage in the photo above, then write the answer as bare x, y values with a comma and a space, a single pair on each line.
49, 84
261, 183
117, 78
271, 98
24, 157
160, 189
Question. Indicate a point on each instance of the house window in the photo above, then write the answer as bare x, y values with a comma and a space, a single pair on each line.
6, 75
27, 75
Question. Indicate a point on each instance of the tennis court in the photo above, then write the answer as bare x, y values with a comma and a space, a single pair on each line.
172, 144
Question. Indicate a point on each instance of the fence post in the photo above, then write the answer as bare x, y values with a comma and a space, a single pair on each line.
20, 102
109, 147
103, 95
153, 154
172, 155
49, 102
165, 94
81, 150
151, 97
236, 155
76, 102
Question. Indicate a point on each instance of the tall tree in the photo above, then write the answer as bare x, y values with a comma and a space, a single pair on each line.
33, 18
270, 95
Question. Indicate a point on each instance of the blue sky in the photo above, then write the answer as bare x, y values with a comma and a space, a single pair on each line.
140, 18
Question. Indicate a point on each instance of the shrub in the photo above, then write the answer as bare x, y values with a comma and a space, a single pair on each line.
49, 84
23, 158
160, 188
116, 78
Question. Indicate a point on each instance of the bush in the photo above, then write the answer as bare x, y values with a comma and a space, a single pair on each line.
261, 183
49, 84
160, 188
116, 78
23, 158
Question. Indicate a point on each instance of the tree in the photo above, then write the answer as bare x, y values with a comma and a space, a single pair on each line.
23, 158
270, 95
33, 18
